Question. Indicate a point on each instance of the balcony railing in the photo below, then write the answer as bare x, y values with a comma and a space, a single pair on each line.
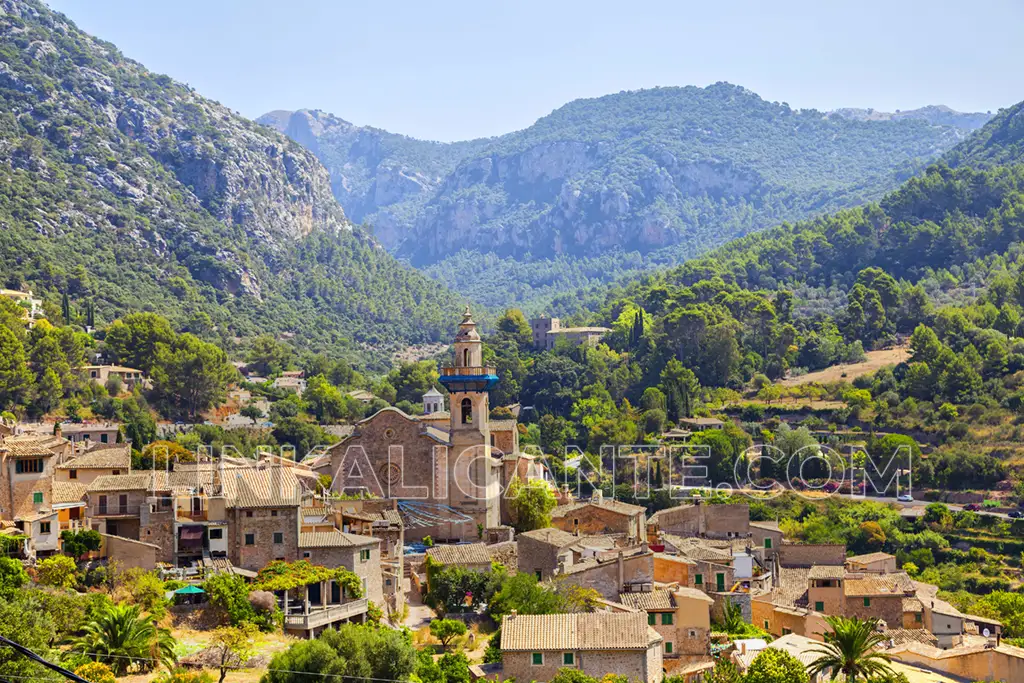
194, 515
115, 511
328, 614
467, 372
72, 524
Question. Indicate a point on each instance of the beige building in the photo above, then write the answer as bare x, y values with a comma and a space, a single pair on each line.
599, 516
701, 519
547, 332
88, 433
681, 615
27, 465
101, 460
536, 647
101, 374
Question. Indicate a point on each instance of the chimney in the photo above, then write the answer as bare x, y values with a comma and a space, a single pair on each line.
597, 496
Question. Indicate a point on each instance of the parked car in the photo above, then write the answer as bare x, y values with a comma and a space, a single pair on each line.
1015, 514
972, 507
905, 498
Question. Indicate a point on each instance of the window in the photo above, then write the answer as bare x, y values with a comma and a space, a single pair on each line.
720, 582
819, 606
867, 602
216, 534
767, 626
767, 544
44, 527
72, 474
387, 582
568, 659
917, 618
537, 659
786, 631
104, 438
30, 466
278, 537
37, 497
467, 411
692, 633
248, 513
250, 539
699, 580
537, 573
666, 618
116, 472
668, 648
465, 358
273, 513
364, 555
306, 554
650, 619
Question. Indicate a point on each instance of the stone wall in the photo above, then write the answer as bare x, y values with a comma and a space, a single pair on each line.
349, 557
609, 577
156, 526
129, 553
262, 523
726, 521
534, 554
999, 664
808, 554
670, 569
742, 600
594, 520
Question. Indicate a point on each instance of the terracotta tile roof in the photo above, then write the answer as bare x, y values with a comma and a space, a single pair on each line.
869, 558
801, 647
587, 631
912, 605
653, 600
139, 481
767, 526
667, 513
67, 492
551, 536
616, 506
262, 488
501, 425
699, 548
825, 571
118, 456
903, 636
792, 588
880, 585
33, 445
334, 539
469, 553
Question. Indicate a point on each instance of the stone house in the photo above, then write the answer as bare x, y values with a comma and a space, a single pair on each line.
600, 516
612, 572
357, 553
263, 515
881, 563
681, 615
27, 464
766, 535
703, 520
100, 460
88, 433
536, 647
543, 551
803, 649
472, 556
101, 374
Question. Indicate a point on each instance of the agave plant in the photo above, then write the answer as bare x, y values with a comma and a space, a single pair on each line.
122, 636
852, 649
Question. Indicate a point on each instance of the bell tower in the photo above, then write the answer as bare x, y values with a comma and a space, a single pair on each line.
469, 382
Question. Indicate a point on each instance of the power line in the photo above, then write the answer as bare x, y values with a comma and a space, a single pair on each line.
36, 658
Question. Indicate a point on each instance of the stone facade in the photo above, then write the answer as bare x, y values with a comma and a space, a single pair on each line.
809, 555
702, 519
601, 517
252, 543
353, 558
542, 551
613, 575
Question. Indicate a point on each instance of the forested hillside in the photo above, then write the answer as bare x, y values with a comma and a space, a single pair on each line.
129, 191
614, 185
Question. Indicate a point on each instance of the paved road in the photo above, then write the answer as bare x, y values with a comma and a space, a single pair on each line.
916, 508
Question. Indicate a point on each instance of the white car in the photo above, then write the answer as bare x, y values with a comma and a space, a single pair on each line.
905, 498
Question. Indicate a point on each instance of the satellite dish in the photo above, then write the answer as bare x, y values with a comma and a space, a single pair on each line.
986, 633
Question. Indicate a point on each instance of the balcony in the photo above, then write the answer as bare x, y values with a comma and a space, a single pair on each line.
469, 379
114, 511
192, 515
468, 372
325, 615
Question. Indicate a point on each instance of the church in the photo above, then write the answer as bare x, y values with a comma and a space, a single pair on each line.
447, 470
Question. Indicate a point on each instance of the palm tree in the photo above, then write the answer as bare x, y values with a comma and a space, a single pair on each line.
121, 635
851, 649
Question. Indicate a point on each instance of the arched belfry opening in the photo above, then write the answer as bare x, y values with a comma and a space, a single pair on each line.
467, 411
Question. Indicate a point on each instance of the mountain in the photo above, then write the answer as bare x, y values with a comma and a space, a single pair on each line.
1000, 141
613, 185
125, 188
937, 115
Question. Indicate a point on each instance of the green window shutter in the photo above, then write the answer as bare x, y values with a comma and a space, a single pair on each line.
720, 582
37, 497
819, 607
767, 626
867, 602
568, 659
768, 544
668, 648
666, 619
699, 580
917, 618
538, 658
650, 619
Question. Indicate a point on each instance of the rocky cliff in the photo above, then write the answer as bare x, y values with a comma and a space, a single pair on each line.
155, 197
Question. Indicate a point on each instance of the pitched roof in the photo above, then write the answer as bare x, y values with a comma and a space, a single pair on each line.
869, 558
67, 491
32, 445
660, 599
587, 631
138, 481
912, 605
551, 536
800, 647
469, 553
903, 636
117, 456
880, 585
268, 487
700, 548
616, 506
333, 539
792, 588
825, 571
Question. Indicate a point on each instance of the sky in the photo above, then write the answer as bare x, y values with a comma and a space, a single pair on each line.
455, 70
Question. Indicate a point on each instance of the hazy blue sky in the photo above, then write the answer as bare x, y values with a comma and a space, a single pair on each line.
453, 70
